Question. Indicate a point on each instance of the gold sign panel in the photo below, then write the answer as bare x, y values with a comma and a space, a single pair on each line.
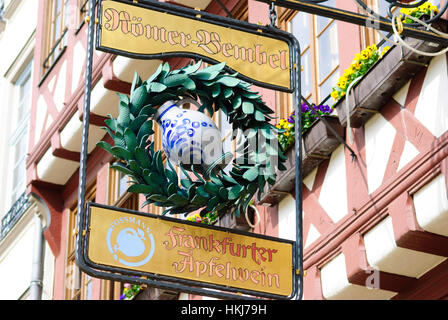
185, 251
142, 31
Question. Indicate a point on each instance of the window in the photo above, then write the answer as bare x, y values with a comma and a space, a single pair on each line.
320, 58
318, 38
78, 285
58, 17
19, 137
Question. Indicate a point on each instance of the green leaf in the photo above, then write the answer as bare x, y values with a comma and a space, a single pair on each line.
229, 179
130, 138
124, 114
237, 102
123, 98
211, 204
251, 174
227, 93
248, 107
155, 74
140, 188
259, 116
228, 81
192, 68
171, 174
104, 145
147, 111
186, 183
137, 123
146, 129
201, 191
121, 153
216, 90
199, 200
159, 162
156, 87
138, 99
234, 192
217, 67
163, 97
142, 158
136, 82
211, 188
172, 188
122, 168
133, 165
111, 123
223, 193
206, 75
158, 198
178, 200
189, 84
175, 80
156, 179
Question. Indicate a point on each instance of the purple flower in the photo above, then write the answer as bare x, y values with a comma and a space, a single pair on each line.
290, 119
325, 109
122, 297
304, 108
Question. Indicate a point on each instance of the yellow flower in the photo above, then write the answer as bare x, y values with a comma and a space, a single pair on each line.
365, 54
357, 57
357, 65
334, 95
385, 49
286, 134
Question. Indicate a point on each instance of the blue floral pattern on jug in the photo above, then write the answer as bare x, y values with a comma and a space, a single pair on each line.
185, 133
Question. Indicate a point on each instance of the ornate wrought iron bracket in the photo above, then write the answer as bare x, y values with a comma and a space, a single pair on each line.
372, 20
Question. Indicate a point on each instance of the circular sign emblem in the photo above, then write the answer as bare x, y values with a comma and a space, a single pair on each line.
130, 241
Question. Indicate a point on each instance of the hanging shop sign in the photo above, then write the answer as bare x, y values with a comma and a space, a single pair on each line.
262, 55
171, 249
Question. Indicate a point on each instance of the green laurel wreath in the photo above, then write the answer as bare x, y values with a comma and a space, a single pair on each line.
217, 90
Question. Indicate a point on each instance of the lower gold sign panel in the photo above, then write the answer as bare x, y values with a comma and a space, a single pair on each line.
186, 251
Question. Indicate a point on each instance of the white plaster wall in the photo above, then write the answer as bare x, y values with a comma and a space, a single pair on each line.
16, 42
287, 218
383, 253
48, 276
124, 68
79, 59
431, 108
333, 195
55, 170
16, 264
59, 91
71, 135
409, 153
335, 285
431, 206
19, 28
379, 138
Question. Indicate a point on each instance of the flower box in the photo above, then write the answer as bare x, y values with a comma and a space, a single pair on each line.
318, 144
319, 140
385, 78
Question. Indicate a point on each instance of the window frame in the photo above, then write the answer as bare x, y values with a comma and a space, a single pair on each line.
54, 47
284, 100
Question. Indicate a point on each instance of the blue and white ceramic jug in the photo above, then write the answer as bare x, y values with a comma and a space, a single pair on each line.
188, 137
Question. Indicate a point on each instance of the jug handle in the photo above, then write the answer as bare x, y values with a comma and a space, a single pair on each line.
187, 100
